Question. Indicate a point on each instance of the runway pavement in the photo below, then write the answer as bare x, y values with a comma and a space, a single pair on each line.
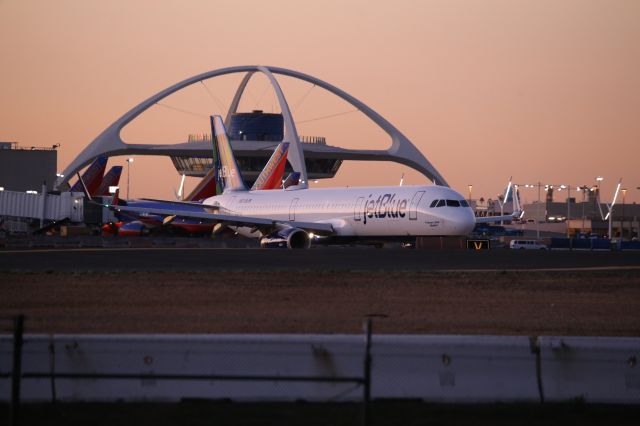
327, 259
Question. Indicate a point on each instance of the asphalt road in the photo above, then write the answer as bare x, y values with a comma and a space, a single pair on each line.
326, 259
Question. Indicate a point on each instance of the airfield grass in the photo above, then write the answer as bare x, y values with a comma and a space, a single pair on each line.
498, 302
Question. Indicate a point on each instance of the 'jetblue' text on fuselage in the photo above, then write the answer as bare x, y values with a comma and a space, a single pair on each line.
385, 206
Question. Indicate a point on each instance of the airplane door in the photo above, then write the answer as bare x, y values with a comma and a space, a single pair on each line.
413, 207
357, 210
292, 209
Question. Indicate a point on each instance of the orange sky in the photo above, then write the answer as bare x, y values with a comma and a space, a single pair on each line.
542, 90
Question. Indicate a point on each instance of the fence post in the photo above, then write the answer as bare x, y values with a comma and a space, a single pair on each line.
367, 373
16, 372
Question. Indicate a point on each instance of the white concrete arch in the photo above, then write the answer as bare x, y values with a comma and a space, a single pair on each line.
110, 143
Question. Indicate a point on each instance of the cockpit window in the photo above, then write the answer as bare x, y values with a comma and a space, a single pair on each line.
464, 203
433, 203
453, 203
441, 203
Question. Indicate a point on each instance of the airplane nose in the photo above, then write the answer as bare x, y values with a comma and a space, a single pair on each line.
463, 223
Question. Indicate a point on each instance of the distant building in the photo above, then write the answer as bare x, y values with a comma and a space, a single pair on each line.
585, 217
27, 168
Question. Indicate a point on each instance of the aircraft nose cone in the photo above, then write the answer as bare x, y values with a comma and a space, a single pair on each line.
463, 223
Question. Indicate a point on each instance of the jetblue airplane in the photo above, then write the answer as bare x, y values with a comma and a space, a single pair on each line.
296, 217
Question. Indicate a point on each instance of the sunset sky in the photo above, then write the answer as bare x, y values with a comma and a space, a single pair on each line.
544, 91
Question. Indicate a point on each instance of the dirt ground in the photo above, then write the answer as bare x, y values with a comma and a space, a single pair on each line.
506, 303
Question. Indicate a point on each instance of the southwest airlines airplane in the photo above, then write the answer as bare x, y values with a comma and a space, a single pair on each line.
295, 217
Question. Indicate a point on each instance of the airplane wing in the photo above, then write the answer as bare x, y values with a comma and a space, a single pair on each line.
175, 203
265, 224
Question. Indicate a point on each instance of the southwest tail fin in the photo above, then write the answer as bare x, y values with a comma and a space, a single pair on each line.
92, 177
271, 176
112, 178
228, 172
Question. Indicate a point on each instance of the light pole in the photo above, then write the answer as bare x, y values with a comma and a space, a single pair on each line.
538, 213
129, 161
638, 230
568, 219
599, 180
584, 189
470, 188
624, 192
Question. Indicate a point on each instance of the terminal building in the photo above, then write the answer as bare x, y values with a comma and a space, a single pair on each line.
27, 176
586, 218
27, 168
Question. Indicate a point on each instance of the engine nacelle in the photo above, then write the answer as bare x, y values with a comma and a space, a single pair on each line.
134, 228
294, 238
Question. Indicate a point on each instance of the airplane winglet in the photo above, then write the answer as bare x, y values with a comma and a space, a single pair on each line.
292, 180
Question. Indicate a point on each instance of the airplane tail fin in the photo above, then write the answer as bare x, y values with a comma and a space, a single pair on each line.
83, 187
518, 212
615, 197
112, 178
228, 172
92, 177
271, 176
180, 190
292, 180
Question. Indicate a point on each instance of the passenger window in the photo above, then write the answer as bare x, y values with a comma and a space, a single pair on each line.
441, 203
453, 203
433, 203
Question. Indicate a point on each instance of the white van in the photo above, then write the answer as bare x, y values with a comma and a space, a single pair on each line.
527, 244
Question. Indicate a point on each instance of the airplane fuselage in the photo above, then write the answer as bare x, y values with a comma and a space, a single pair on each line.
357, 211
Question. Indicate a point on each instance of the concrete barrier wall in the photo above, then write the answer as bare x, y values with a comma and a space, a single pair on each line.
454, 368
464, 369
592, 369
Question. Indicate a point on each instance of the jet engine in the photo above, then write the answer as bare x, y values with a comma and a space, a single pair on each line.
134, 228
293, 238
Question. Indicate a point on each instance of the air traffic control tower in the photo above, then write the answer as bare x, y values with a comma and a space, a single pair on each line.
253, 136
